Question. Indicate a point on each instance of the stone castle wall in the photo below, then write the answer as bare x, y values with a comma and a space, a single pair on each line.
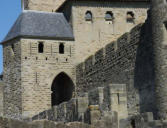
90, 36
43, 5
127, 61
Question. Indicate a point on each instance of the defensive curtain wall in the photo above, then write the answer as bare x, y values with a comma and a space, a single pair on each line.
126, 61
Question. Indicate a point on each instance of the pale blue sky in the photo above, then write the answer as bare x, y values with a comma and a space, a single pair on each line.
9, 11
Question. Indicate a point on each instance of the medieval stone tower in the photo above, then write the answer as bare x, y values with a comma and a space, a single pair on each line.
38, 56
159, 30
49, 39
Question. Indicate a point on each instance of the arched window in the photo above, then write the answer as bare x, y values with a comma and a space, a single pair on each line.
88, 16
40, 47
109, 16
61, 48
130, 17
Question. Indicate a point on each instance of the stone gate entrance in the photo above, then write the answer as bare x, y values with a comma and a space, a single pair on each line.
62, 89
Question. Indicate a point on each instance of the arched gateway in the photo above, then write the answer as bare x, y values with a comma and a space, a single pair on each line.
62, 89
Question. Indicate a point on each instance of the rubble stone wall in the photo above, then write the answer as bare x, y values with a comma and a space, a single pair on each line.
12, 78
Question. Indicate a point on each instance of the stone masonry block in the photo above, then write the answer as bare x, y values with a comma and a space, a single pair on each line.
96, 96
82, 104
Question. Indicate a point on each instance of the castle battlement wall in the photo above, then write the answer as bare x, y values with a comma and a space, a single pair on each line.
125, 61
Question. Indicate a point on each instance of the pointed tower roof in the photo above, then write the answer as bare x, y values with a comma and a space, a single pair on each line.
38, 24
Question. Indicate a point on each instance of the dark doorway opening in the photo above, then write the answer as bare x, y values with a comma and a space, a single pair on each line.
62, 89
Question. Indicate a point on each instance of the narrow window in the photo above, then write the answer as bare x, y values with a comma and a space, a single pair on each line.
165, 23
109, 16
61, 48
118, 98
12, 46
130, 17
88, 16
36, 77
40, 47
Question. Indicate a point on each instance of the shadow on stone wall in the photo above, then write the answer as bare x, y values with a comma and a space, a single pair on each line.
144, 70
128, 61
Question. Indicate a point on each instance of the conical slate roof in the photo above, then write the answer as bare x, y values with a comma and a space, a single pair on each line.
38, 24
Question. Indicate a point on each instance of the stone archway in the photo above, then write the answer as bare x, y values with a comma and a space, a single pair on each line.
62, 89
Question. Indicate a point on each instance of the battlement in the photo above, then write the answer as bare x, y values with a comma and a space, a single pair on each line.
113, 51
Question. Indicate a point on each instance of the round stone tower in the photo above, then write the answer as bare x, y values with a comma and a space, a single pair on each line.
159, 31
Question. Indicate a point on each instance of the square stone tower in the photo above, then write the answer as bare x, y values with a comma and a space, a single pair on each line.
38, 64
